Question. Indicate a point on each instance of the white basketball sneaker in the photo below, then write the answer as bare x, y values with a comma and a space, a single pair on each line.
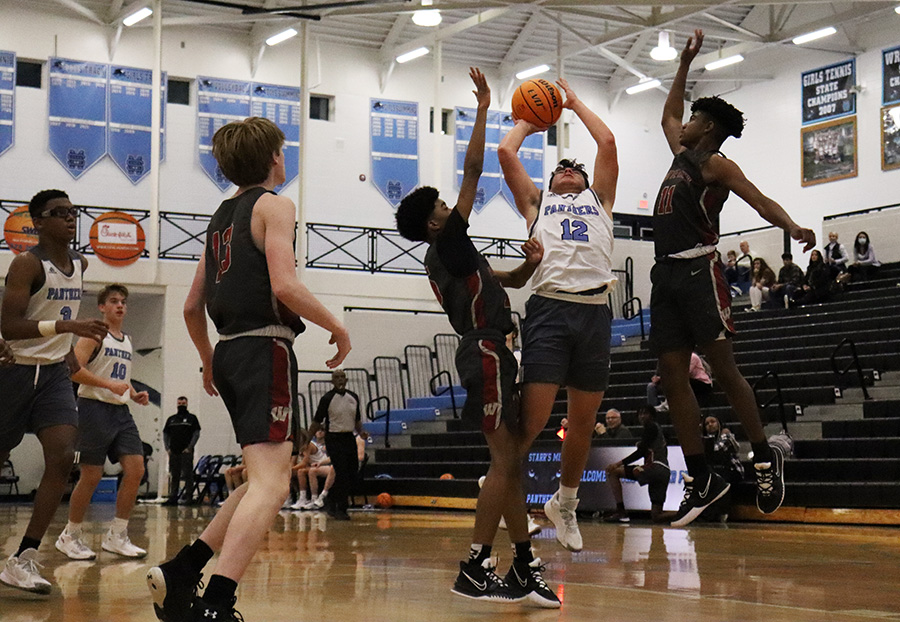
562, 515
72, 547
23, 573
120, 544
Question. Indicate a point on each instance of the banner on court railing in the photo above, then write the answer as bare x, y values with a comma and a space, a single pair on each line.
219, 101
78, 92
542, 478
394, 142
828, 92
890, 82
489, 183
281, 105
531, 155
130, 104
7, 100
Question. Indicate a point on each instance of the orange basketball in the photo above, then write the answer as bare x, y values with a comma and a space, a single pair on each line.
447, 476
117, 238
385, 500
538, 102
19, 231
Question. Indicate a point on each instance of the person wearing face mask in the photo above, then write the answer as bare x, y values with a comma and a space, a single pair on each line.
180, 435
864, 263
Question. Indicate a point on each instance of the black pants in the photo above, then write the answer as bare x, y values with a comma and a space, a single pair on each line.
341, 448
181, 469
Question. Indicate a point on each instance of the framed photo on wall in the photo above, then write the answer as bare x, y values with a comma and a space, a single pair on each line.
890, 137
828, 151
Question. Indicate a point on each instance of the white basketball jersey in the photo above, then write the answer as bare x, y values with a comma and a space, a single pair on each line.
58, 299
113, 360
577, 235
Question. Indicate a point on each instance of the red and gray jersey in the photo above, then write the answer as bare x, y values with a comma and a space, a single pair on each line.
686, 214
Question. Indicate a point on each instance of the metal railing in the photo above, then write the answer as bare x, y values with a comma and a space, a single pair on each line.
372, 409
853, 362
629, 313
762, 384
438, 390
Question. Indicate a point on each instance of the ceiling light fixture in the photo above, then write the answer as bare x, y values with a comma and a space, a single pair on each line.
137, 16
534, 71
644, 85
427, 18
897, 10
812, 36
404, 58
663, 50
724, 62
282, 36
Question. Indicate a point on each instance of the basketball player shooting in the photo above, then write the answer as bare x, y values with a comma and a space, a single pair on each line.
690, 304
567, 332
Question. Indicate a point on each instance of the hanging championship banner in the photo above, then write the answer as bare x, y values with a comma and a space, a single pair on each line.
117, 238
281, 105
394, 141
19, 231
489, 183
219, 102
130, 106
78, 92
531, 154
890, 81
7, 100
827, 92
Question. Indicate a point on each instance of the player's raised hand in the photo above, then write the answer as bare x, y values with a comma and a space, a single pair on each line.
482, 90
6, 355
806, 236
534, 251
92, 329
692, 47
340, 338
530, 128
571, 97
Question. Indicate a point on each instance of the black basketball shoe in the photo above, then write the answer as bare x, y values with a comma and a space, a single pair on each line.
478, 581
173, 587
205, 612
698, 497
770, 482
526, 580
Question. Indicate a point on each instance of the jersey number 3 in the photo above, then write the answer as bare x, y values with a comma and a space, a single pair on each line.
221, 244
576, 230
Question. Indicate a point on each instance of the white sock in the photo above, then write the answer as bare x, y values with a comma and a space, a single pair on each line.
302, 498
73, 529
324, 494
567, 493
119, 525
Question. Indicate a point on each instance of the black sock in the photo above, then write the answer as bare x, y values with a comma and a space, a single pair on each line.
220, 591
522, 552
761, 452
620, 507
697, 467
198, 554
28, 543
479, 552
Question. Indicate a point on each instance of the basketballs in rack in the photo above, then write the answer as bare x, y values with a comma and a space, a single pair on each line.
537, 101
117, 238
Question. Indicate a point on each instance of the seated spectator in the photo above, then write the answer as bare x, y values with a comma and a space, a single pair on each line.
835, 255
300, 470
613, 427
319, 466
701, 381
790, 280
818, 282
730, 269
722, 455
654, 473
655, 396
864, 263
761, 280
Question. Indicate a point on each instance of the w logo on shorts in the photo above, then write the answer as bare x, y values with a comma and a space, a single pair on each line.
280, 413
492, 413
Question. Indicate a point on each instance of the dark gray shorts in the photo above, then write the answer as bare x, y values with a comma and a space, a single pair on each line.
566, 343
655, 476
106, 430
29, 406
487, 371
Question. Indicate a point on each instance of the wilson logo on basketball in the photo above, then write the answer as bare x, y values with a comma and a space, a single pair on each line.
19, 231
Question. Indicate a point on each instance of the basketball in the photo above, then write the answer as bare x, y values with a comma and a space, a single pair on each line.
537, 101
447, 476
19, 231
385, 500
117, 238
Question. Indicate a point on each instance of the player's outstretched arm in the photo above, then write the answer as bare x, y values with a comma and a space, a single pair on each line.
526, 194
474, 161
278, 234
195, 320
673, 111
606, 164
518, 277
726, 173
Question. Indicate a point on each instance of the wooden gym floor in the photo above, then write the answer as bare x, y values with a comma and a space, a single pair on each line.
398, 566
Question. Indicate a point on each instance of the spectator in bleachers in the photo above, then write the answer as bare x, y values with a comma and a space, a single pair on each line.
722, 455
761, 280
746, 253
818, 282
655, 396
700, 378
864, 262
790, 280
835, 255
319, 466
613, 427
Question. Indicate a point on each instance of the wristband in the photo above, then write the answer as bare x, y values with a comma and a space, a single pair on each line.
47, 328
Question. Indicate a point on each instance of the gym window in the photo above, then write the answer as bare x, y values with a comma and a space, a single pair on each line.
178, 92
28, 73
446, 114
321, 107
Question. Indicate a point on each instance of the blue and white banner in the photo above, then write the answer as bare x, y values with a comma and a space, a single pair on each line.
219, 102
828, 92
489, 184
890, 76
531, 154
281, 105
394, 141
78, 92
130, 104
7, 100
